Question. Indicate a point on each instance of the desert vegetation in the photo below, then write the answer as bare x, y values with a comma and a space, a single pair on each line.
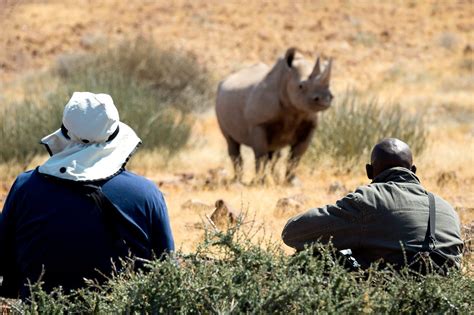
401, 69
349, 130
228, 273
155, 91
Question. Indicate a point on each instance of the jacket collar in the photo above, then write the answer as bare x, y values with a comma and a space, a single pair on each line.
397, 174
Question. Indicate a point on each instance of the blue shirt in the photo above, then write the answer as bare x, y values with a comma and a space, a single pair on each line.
47, 226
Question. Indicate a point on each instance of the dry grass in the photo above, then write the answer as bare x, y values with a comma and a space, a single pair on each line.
416, 53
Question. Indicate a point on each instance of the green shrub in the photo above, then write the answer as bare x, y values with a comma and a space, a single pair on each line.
135, 68
155, 91
348, 130
23, 125
230, 274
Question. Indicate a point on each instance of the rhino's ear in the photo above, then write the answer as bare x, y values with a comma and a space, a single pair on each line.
316, 70
326, 75
290, 56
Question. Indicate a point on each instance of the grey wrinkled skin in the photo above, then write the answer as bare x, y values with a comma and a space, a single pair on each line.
268, 109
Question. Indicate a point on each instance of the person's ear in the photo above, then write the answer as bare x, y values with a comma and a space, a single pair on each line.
413, 169
369, 169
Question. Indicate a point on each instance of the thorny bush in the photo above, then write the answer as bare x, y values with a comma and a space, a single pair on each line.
230, 273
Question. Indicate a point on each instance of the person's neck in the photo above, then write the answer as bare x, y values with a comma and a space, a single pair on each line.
396, 174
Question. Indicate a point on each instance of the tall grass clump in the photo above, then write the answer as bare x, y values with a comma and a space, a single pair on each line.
155, 91
22, 125
352, 126
229, 274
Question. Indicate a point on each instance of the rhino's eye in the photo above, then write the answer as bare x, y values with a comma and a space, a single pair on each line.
300, 86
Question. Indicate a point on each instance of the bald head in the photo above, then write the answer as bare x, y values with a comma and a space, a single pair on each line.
389, 153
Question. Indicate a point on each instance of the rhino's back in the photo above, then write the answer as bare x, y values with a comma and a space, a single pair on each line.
232, 96
245, 77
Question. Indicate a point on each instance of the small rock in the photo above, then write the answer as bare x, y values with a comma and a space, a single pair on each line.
217, 177
224, 216
300, 197
385, 34
467, 50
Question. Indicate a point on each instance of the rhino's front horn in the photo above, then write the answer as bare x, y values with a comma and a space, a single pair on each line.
316, 70
326, 75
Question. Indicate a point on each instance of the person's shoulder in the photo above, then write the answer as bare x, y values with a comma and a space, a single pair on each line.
139, 188
24, 178
366, 196
131, 179
136, 178
447, 214
366, 191
359, 195
26, 175
442, 203
23, 184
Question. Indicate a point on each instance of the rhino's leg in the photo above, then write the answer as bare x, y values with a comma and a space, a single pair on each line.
305, 133
233, 148
261, 161
273, 157
261, 152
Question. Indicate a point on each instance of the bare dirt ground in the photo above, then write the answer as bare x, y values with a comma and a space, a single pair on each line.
417, 53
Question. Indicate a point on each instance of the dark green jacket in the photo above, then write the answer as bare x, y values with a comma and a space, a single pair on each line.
377, 219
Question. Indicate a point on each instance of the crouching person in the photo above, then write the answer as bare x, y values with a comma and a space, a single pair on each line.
393, 220
71, 217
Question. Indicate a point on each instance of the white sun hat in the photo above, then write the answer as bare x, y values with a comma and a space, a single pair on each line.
92, 144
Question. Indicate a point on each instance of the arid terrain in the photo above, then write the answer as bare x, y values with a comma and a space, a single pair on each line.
417, 53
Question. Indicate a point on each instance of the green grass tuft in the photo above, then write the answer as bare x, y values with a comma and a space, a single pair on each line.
352, 126
155, 91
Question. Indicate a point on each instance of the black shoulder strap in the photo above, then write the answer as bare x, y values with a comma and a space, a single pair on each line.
431, 235
136, 242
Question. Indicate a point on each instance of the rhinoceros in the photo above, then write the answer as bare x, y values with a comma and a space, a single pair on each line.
269, 108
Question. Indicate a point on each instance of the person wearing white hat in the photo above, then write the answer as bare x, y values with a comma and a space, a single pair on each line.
71, 217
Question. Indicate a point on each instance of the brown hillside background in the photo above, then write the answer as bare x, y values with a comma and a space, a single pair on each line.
418, 53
